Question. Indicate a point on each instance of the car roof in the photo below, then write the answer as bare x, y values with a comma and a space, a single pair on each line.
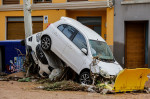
83, 29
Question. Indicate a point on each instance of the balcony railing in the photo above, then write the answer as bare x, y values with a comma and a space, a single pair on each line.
42, 1
135, 1
75, 0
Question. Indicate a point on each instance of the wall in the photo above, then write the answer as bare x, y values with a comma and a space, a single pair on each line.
110, 27
21, 2
96, 0
0, 2
59, 1
85, 13
63, 1
131, 12
53, 15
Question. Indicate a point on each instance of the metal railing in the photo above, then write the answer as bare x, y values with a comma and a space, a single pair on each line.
42, 1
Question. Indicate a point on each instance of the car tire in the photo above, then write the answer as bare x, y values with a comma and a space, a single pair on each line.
41, 56
85, 78
46, 43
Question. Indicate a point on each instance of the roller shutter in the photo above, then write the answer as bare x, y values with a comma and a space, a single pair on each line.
15, 29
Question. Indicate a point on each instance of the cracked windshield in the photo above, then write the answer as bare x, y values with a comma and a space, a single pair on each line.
101, 49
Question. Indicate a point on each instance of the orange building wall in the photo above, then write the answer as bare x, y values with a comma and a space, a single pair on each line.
0, 2
53, 15
110, 26
59, 1
21, 2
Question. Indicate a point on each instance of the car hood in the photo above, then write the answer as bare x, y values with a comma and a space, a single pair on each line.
110, 68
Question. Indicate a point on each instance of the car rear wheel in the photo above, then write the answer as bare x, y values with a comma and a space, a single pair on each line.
85, 78
46, 43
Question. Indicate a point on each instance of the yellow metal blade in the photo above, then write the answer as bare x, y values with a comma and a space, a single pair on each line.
131, 80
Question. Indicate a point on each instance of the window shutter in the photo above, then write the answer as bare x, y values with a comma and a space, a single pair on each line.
11, 2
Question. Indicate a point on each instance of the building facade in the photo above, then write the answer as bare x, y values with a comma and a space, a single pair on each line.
131, 33
96, 14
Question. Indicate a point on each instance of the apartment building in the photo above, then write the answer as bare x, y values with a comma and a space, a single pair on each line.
131, 33
96, 14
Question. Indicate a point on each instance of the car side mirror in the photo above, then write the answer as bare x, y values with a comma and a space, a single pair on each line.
84, 51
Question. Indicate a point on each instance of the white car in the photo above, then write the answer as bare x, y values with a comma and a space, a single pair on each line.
76, 45
44, 62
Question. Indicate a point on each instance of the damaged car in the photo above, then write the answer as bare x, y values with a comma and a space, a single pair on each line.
41, 62
81, 48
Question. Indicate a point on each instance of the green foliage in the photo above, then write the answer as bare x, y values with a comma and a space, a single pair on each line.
24, 80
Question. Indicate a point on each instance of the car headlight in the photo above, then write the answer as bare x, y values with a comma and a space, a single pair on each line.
38, 37
104, 74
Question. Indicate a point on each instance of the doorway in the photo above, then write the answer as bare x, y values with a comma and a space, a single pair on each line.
136, 44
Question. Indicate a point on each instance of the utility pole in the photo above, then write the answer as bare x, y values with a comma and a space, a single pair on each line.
27, 18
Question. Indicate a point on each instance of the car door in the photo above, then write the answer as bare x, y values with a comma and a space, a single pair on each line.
65, 32
73, 53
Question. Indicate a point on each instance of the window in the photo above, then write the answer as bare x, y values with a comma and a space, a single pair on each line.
67, 30
42, 1
76, 0
5, 2
80, 41
92, 22
74, 35
61, 27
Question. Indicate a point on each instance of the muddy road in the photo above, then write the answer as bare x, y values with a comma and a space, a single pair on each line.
27, 90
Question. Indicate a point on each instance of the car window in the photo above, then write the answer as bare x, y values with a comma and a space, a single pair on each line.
80, 41
67, 30
61, 27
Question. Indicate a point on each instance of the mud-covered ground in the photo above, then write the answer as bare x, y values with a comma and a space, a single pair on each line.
27, 90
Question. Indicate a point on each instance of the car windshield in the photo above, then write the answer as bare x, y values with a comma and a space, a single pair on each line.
100, 49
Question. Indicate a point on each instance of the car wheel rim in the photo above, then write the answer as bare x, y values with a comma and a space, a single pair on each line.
85, 79
46, 43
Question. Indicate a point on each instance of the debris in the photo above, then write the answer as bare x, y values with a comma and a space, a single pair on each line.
14, 78
90, 90
55, 74
149, 89
104, 91
40, 87
106, 86
3, 74
24, 80
4, 79
65, 86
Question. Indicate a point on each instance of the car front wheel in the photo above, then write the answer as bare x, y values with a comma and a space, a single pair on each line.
85, 78
46, 43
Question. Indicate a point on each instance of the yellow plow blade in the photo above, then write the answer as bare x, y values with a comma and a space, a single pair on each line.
131, 80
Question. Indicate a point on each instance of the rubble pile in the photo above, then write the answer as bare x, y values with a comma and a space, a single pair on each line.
70, 85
